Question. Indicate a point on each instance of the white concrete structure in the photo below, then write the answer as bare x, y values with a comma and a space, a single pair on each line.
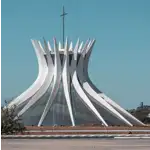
63, 94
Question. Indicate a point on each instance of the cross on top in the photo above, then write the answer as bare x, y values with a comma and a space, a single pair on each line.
63, 18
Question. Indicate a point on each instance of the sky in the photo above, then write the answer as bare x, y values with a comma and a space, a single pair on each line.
120, 61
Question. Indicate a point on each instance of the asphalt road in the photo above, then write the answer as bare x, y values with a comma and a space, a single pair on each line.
75, 144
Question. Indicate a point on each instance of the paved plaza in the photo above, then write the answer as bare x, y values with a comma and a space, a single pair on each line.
75, 144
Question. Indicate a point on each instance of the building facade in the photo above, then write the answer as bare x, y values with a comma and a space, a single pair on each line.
63, 93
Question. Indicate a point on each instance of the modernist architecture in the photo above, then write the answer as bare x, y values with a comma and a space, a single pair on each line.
63, 94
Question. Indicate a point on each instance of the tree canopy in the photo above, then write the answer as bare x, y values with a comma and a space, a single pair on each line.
10, 123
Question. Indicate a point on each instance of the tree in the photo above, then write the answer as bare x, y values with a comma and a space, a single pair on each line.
10, 123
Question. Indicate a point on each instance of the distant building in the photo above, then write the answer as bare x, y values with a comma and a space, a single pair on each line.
143, 107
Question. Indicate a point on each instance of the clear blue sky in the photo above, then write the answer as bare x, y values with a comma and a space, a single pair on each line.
120, 62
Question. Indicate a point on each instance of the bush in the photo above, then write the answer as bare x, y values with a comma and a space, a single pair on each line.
10, 124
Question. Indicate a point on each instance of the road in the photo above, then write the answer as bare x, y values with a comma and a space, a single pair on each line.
75, 144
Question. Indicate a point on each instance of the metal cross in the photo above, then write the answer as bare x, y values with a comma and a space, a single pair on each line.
63, 18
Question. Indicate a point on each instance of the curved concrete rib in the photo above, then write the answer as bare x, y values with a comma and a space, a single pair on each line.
118, 108
79, 89
66, 82
80, 47
70, 47
121, 110
44, 87
49, 46
56, 83
87, 87
43, 71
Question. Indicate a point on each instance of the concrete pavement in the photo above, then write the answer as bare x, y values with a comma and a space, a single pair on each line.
75, 144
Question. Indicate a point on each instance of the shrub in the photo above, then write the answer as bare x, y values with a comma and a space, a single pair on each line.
10, 123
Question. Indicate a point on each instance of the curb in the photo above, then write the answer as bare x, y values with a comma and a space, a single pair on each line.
75, 136
132, 137
55, 136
